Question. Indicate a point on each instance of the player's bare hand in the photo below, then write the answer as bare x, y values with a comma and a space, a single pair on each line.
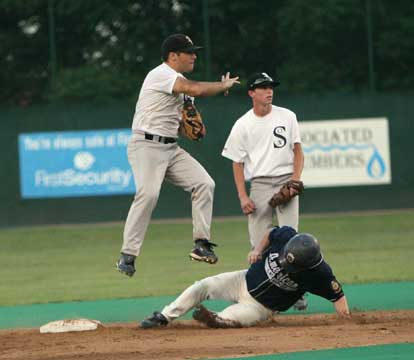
342, 308
247, 205
253, 256
229, 82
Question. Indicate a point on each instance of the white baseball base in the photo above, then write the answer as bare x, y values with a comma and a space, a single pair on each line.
61, 326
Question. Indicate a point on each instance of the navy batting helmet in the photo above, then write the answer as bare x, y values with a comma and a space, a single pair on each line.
301, 252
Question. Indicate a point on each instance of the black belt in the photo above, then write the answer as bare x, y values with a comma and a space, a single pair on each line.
161, 139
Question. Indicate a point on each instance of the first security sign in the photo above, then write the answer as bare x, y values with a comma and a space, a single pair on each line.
81, 163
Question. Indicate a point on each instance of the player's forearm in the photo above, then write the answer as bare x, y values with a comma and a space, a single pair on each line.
298, 161
200, 88
341, 307
263, 244
211, 88
239, 180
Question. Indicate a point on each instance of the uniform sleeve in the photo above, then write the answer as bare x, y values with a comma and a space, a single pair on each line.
163, 81
234, 148
281, 235
327, 286
295, 131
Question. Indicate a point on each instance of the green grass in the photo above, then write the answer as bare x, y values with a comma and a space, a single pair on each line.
66, 263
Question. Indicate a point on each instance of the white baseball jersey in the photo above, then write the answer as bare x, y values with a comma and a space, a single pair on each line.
158, 109
264, 144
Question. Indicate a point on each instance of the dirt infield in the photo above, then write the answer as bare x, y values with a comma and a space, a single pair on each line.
191, 340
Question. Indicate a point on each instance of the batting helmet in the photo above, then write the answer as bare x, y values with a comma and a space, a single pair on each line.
301, 252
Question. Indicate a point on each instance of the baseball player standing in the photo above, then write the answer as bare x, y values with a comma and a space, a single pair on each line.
284, 265
265, 147
154, 155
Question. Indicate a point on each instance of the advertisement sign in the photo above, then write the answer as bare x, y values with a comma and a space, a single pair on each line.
79, 163
94, 163
346, 152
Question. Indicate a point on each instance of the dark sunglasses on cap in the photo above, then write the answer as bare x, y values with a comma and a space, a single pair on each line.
261, 79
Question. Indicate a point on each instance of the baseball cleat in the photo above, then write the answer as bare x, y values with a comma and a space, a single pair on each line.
204, 315
156, 320
203, 251
212, 320
301, 304
126, 264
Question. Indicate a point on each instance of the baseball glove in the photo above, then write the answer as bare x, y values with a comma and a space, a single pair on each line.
192, 125
283, 196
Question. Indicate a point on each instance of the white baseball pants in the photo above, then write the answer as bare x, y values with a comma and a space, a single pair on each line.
151, 163
261, 221
229, 286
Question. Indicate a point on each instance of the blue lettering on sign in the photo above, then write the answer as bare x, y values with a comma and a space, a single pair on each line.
375, 167
76, 163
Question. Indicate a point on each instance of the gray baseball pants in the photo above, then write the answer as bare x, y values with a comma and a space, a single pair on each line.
261, 221
230, 286
151, 163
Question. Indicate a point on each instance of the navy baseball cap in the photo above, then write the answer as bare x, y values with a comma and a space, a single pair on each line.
179, 43
260, 80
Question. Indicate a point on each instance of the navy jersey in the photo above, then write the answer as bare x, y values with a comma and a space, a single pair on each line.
277, 290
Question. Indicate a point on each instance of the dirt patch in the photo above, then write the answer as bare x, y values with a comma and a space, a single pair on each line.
191, 340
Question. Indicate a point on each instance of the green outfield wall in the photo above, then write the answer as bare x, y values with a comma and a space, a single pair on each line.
219, 113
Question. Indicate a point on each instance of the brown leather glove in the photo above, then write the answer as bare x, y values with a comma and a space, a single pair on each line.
283, 196
192, 126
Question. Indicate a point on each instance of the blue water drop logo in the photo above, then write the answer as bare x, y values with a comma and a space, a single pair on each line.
376, 166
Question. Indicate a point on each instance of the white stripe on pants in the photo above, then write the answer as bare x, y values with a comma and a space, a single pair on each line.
151, 162
230, 286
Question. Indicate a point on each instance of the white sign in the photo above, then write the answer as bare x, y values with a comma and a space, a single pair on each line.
346, 152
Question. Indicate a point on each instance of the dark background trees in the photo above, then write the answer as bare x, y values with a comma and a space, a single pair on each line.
104, 48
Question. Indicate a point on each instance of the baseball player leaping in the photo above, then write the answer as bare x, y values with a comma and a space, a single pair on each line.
284, 265
154, 155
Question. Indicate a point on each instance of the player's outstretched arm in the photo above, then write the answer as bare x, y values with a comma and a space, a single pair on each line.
200, 88
341, 307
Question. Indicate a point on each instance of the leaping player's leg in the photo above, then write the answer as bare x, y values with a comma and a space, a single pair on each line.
186, 172
149, 162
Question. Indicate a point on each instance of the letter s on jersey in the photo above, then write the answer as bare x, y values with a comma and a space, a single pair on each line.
280, 139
